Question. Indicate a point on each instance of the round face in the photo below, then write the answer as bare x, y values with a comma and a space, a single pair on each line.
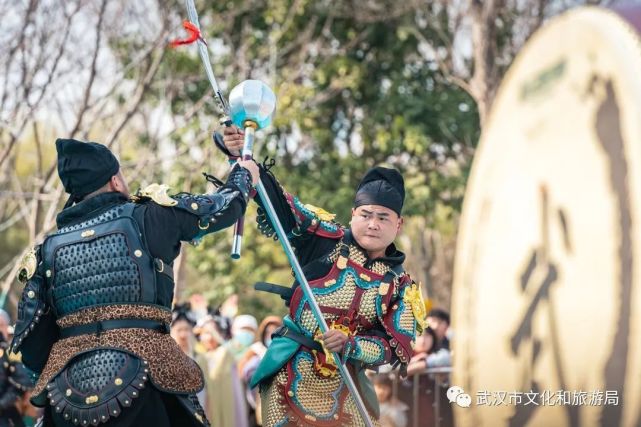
438, 325
424, 343
375, 227
181, 331
383, 392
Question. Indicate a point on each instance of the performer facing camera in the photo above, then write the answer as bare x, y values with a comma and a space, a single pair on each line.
93, 319
372, 306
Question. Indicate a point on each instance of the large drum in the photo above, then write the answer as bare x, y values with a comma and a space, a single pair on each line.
547, 292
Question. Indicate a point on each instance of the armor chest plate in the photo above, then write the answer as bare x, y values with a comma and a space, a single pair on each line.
98, 262
349, 294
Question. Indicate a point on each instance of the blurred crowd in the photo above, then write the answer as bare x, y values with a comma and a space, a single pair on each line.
228, 347
16, 383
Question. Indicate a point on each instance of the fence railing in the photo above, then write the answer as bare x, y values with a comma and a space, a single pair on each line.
441, 380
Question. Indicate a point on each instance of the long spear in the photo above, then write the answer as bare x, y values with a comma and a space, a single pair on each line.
203, 50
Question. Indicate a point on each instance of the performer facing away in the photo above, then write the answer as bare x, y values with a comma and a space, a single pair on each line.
373, 308
93, 319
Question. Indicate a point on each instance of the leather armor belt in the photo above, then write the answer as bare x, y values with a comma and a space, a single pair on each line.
105, 325
284, 331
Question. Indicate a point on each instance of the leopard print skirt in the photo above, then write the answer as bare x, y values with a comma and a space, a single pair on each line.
171, 370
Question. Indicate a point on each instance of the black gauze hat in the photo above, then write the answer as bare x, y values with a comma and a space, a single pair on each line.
84, 167
381, 186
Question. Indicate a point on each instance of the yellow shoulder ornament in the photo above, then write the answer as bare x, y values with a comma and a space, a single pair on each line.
28, 266
321, 213
157, 193
414, 299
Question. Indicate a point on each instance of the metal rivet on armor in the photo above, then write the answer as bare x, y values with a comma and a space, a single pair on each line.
138, 253
31, 294
66, 416
58, 408
103, 417
118, 381
290, 393
134, 393
48, 273
140, 385
144, 377
145, 362
194, 206
95, 421
115, 412
91, 399
75, 420
68, 392
87, 233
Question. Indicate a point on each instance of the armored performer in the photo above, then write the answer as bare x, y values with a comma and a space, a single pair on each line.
372, 306
93, 319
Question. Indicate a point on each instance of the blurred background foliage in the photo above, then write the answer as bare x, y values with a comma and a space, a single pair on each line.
358, 84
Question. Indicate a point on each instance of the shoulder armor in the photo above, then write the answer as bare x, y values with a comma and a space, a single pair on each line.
32, 302
205, 204
155, 192
414, 298
314, 220
28, 265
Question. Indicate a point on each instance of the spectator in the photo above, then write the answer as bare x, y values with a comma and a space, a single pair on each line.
393, 411
243, 332
248, 364
427, 355
225, 405
15, 381
182, 326
439, 320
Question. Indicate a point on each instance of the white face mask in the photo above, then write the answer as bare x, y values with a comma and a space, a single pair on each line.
244, 338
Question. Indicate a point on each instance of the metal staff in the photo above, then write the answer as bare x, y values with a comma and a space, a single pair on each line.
224, 106
204, 57
252, 104
252, 108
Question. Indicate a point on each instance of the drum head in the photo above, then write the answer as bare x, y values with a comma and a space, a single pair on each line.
548, 267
